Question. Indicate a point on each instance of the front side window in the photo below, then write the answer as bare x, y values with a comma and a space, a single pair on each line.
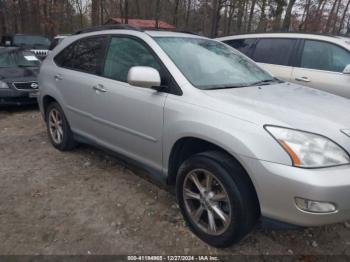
124, 53
85, 55
209, 64
244, 46
276, 51
324, 56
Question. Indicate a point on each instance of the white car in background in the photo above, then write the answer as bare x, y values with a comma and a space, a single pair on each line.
317, 61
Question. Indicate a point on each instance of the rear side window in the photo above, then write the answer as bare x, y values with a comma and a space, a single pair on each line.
276, 51
244, 46
324, 56
124, 53
85, 55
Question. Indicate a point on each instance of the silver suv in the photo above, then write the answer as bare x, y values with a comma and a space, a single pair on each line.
236, 143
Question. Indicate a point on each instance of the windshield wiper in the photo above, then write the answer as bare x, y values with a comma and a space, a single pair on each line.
224, 87
265, 82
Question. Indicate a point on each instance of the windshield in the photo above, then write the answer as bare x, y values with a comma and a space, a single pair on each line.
209, 64
28, 40
18, 58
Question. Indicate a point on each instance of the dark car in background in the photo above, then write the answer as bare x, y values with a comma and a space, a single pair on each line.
18, 76
36, 43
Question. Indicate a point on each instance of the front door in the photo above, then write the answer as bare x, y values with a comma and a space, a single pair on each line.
129, 118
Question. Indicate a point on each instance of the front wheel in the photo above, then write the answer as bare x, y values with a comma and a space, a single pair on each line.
216, 198
59, 131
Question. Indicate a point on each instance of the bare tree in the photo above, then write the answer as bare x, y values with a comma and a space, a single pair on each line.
251, 13
157, 13
343, 16
331, 16
287, 18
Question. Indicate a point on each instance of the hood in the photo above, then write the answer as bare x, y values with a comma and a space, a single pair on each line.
286, 105
18, 74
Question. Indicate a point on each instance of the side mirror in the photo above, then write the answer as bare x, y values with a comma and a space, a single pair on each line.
347, 70
144, 76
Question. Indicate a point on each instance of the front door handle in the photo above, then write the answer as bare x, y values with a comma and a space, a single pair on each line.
303, 79
58, 77
99, 88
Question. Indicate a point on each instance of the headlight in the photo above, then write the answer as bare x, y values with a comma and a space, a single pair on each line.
3, 85
309, 150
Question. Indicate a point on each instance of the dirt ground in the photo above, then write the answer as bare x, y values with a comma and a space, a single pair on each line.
86, 202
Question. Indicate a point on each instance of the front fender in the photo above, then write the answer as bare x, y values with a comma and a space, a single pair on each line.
238, 137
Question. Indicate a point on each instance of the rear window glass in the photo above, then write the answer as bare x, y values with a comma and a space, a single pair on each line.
276, 51
244, 46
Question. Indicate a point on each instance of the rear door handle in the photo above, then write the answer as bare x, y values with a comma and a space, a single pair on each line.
99, 88
58, 77
303, 79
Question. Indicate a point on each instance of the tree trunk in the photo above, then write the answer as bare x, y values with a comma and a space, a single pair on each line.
330, 17
188, 12
251, 13
176, 12
240, 16
95, 17
126, 11
101, 12
262, 22
343, 17
230, 16
157, 14
138, 11
278, 15
3, 29
287, 18
336, 18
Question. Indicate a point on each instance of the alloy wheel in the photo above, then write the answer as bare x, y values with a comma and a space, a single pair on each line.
56, 126
207, 202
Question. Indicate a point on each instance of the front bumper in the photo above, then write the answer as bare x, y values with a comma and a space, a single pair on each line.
11, 96
277, 186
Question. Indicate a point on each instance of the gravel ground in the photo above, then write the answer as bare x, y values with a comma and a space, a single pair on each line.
86, 202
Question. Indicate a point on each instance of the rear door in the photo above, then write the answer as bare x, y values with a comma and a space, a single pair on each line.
276, 56
321, 66
79, 67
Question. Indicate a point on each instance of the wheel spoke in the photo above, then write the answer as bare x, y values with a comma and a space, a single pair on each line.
60, 130
198, 184
220, 197
196, 215
221, 214
191, 195
211, 222
209, 181
59, 137
56, 135
53, 115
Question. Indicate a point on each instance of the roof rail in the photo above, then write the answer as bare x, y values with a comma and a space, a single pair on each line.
107, 27
290, 32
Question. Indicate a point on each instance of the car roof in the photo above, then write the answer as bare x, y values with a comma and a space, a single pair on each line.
325, 37
338, 40
161, 33
125, 28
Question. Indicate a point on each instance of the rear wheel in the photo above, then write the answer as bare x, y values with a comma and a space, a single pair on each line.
216, 198
58, 128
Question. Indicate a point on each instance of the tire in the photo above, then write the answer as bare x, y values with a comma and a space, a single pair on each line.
63, 141
239, 210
